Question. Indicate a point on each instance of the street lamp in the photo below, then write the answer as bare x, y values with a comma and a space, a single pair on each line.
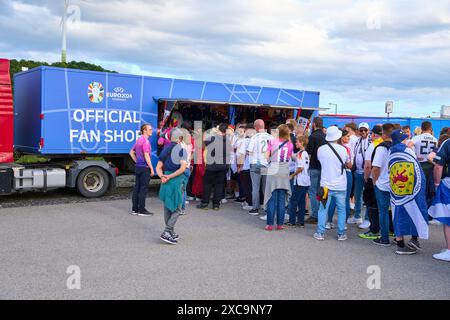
335, 105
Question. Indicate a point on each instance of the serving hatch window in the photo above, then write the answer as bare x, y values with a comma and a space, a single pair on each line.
174, 112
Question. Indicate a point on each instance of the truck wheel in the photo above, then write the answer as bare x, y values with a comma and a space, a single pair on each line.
93, 182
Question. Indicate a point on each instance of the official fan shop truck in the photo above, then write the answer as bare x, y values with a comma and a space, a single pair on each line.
85, 123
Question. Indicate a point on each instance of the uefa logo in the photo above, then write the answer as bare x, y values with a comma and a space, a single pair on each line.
96, 93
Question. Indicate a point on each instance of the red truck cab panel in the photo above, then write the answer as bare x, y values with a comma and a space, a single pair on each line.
6, 114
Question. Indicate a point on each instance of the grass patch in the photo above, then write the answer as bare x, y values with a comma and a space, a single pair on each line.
31, 159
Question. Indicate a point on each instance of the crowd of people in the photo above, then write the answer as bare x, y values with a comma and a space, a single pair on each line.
386, 180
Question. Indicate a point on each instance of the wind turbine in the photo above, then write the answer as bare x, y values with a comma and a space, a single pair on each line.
76, 11
64, 33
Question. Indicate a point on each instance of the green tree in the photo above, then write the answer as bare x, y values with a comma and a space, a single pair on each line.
16, 66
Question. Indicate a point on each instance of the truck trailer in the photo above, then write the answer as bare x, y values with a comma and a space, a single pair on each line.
69, 116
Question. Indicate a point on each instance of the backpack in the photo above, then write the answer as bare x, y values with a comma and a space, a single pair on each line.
386, 144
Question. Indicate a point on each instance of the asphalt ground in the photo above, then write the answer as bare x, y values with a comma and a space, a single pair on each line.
222, 254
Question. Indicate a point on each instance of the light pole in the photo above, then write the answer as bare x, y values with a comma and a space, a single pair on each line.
335, 106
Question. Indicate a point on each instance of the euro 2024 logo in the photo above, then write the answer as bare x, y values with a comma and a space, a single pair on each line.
96, 93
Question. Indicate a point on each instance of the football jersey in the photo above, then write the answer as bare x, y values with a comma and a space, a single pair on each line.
423, 145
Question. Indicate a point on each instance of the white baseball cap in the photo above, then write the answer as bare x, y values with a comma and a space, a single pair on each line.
333, 134
364, 125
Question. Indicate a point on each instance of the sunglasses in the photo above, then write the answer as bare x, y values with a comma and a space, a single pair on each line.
363, 130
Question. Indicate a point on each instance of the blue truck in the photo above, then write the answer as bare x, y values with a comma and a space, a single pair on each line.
69, 116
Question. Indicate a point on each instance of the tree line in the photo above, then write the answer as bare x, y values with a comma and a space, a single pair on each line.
16, 66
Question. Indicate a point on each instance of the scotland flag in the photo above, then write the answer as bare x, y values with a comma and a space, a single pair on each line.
440, 208
408, 187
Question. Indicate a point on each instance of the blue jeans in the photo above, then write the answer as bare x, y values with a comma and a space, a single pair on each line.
140, 190
277, 203
332, 207
383, 201
359, 187
314, 174
298, 200
187, 173
339, 198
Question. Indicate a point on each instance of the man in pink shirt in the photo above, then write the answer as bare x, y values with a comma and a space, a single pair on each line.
140, 153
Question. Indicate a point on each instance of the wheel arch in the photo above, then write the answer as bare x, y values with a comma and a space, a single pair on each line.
78, 166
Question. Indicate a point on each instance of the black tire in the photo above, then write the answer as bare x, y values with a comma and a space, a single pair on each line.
93, 182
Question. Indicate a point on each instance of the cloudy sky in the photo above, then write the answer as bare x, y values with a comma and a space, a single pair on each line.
358, 54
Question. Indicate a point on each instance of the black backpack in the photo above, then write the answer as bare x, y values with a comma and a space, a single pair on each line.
386, 144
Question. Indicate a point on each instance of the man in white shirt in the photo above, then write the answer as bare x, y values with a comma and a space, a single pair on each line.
257, 149
380, 176
369, 192
424, 144
359, 150
244, 166
334, 160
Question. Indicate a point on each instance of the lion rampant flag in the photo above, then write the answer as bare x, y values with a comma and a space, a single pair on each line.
408, 187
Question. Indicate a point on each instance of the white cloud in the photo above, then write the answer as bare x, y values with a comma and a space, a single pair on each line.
358, 52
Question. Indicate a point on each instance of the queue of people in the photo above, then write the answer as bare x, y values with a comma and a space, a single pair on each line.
383, 180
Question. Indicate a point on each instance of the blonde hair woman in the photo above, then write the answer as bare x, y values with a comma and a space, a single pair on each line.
278, 185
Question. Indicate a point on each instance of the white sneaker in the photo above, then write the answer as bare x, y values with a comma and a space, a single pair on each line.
364, 225
345, 227
329, 225
263, 218
182, 212
434, 222
248, 208
351, 220
359, 221
223, 201
342, 237
244, 204
443, 256
187, 202
319, 236
190, 198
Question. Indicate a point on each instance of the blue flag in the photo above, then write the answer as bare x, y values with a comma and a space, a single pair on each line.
408, 193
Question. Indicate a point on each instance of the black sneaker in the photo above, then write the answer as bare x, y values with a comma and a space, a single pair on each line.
239, 200
175, 236
144, 213
414, 244
301, 225
134, 212
381, 242
311, 220
167, 237
290, 224
405, 251
202, 206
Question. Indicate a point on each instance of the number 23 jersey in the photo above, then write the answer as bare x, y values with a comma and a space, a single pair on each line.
423, 145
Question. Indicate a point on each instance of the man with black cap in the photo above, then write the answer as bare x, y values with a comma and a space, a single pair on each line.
369, 192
